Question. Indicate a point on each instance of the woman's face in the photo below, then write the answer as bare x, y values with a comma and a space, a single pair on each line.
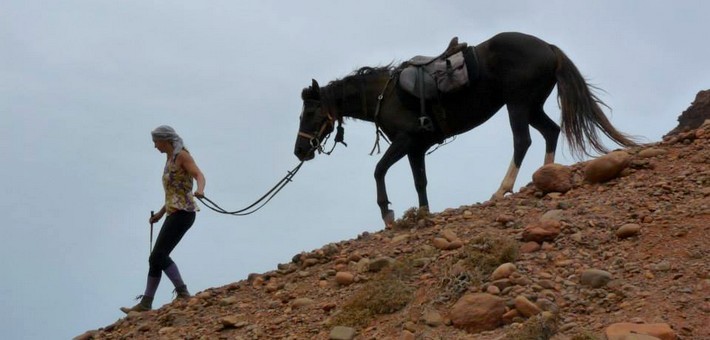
161, 145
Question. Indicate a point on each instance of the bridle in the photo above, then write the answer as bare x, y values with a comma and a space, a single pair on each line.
314, 139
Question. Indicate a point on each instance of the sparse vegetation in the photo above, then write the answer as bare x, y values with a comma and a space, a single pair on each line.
413, 218
386, 293
585, 335
479, 259
540, 327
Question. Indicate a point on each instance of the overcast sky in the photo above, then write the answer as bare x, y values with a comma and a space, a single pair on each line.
82, 84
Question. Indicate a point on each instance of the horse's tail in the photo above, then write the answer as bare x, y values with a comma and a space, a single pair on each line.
581, 110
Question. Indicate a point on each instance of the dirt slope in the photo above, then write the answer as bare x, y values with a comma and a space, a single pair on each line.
411, 281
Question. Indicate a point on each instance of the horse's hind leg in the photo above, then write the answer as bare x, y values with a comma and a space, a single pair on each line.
549, 130
519, 119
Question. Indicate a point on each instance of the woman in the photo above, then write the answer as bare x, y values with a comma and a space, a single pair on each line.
180, 207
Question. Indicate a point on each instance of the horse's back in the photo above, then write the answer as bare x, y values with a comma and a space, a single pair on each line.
514, 61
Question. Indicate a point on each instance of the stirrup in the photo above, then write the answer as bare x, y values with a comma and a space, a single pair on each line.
426, 124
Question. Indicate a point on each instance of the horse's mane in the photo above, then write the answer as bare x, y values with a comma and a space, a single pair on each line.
356, 76
364, 72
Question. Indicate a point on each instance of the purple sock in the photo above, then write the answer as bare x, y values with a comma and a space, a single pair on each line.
151, 286
174, 275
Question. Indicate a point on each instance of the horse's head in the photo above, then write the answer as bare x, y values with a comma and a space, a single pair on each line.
316, 123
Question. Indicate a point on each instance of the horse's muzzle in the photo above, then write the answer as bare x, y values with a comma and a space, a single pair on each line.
304, 152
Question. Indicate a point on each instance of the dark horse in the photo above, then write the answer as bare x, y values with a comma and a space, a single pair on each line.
511, 69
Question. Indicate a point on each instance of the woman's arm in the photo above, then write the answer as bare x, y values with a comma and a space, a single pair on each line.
157, 216
186, 161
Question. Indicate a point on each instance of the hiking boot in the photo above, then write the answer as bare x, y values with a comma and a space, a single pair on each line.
145, 304
182, 293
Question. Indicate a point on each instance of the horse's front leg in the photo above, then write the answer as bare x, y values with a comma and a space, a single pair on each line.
416, 162
395, 152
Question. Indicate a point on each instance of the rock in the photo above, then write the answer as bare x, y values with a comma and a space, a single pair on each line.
400, 238
595, 278
526, 307
363, 265
606, 167
229, 301
166, 331
529, 247
432, 318
344, 278
478, 312
542, 231
553, 215
504, 219
456, 244
342, 333
493, 290
510, 315
380, 263
301, 302
553, 178
502, 284
628, 230
662, 266
407, 335
449, 235
651, 152
622, 331
441, 243
232, 321
503, 271
86, 336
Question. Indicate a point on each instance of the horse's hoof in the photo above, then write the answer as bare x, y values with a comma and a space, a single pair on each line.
388, 218
498, 195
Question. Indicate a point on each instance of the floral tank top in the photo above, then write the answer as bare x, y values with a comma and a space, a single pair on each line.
178, 189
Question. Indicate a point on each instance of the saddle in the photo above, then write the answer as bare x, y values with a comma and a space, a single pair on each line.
427, 77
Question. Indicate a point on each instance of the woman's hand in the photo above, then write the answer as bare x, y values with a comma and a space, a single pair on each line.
156, 217
199, 194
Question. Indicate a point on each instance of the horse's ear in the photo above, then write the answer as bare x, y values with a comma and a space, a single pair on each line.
312, 92
315, 86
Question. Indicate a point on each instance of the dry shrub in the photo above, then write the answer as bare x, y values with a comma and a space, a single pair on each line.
539, 327
413, 218
585, 335
486, 252
480, 258
386, 293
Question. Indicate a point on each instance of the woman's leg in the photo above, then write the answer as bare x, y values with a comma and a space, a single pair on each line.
174, 228
172, 231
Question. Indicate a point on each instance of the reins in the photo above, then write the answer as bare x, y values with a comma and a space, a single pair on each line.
260, 203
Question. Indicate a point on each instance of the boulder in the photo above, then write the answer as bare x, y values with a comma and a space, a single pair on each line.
542, 231
628, 230
503, 271
606, 167
624, 330
526, 307
595, 278
478, 312
553, 178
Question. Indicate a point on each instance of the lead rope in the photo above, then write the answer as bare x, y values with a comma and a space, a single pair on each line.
260, 203
378, 131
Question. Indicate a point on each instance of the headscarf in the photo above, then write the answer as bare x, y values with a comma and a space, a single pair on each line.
165, 132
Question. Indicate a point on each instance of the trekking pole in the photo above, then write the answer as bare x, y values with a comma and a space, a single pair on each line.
150, 250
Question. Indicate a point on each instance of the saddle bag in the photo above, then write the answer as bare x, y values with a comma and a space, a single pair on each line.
440, 75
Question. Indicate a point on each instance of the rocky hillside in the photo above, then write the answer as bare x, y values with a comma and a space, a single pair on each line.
617, 247
695, 115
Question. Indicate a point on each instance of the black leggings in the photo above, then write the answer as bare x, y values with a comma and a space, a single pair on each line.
172, 231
